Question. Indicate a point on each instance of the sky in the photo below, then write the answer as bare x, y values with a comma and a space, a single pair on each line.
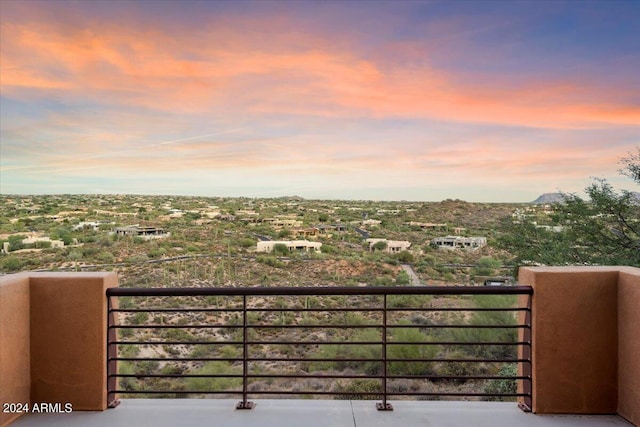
486, 101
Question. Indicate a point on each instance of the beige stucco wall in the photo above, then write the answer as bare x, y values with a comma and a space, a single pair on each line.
15, 377
585, 339
68, 339
629, 345
54, 339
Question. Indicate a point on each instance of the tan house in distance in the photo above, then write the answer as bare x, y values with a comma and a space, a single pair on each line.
292, 245
393, 246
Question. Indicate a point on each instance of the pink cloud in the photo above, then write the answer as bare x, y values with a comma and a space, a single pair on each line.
193, 73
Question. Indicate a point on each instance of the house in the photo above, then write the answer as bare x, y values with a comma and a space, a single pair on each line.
328, 229
428, 225
393, 246
93, 225
460, 242
145, 232
292, 245
305, 232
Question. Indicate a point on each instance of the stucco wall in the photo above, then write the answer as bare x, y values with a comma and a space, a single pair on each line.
15, 377
53, 339
629, 345
575, 340
586, 345
68, 339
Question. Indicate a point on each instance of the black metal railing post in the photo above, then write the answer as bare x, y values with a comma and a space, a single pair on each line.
384, 405
245, 404
527, 368
112, 355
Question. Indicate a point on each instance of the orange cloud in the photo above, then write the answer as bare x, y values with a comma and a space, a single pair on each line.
192, 73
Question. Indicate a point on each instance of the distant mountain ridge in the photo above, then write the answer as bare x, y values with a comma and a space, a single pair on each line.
549, 198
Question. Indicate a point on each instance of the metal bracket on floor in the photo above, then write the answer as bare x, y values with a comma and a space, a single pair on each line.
245, 405
523, 407
384, 406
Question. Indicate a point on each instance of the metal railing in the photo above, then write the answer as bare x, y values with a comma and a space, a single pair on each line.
429, 342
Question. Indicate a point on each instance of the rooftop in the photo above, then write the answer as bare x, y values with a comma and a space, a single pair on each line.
314, 413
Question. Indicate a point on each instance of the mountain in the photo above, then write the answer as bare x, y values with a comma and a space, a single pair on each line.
549, 198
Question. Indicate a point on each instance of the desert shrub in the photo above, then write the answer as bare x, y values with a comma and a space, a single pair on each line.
89, 251
408, 301
459, 368
498, 318
137, 259
215, 383
246, 243
106, 257
329, 249
403, 278
410, 351
359, 386
146, 367
140, 318
280, 249
506, 386
11, 264
284, 233
270, 261
379, 246
383, 281
405, 257
344, 351
156, 252
486, 266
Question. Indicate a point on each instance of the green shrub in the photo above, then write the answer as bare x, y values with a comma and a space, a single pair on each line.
405, 257
270, 261
11, 264
106, 257
215, 383
403, 278
506, 386
359, 386
156, 252
280, 249
419, 350
246, 243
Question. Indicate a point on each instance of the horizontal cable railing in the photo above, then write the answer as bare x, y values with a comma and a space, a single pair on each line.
430, 342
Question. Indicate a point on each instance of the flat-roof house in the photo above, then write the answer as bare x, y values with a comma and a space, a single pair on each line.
393, 246
292, 245
146, 232
460, 242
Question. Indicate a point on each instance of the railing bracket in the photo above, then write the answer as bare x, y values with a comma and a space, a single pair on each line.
384, 406
245, 405
523, 407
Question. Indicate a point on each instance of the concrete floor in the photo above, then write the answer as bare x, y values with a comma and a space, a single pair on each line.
312, 413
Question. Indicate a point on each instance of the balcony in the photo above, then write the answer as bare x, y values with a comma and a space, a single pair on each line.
582, 354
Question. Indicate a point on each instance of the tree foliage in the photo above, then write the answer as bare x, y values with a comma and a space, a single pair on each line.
601, 230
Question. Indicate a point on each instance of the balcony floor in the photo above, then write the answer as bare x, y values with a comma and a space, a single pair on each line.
313, 413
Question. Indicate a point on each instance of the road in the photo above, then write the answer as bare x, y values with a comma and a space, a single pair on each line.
415, 280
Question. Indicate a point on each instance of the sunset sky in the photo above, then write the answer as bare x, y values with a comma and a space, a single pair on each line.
404, 100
